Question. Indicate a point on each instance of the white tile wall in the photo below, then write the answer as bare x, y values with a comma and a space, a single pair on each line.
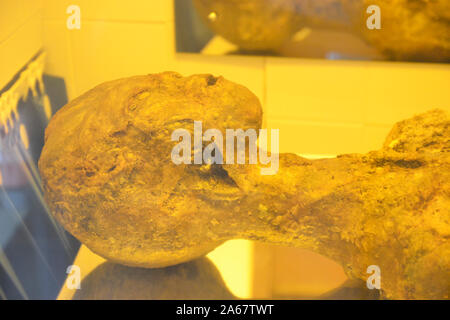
112, 10
399, 90
318, 138
103, 50
316, 90
20, 35
59, 55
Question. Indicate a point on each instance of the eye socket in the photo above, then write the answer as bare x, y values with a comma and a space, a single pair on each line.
217, 172
212, 183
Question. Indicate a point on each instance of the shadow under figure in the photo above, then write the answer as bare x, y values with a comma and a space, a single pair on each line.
197, 279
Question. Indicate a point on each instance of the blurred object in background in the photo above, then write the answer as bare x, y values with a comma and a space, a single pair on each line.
251, 24
410, 30
34, 250
331, 29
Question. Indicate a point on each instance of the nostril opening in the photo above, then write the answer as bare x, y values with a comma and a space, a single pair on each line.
211, 80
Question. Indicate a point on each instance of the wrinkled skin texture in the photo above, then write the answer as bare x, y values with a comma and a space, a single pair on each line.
108, 175
416, 30
108, 178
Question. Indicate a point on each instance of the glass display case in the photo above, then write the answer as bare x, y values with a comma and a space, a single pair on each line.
224, 149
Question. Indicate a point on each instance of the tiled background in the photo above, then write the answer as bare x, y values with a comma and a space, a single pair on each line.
20, 35
337, 106
321, 107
